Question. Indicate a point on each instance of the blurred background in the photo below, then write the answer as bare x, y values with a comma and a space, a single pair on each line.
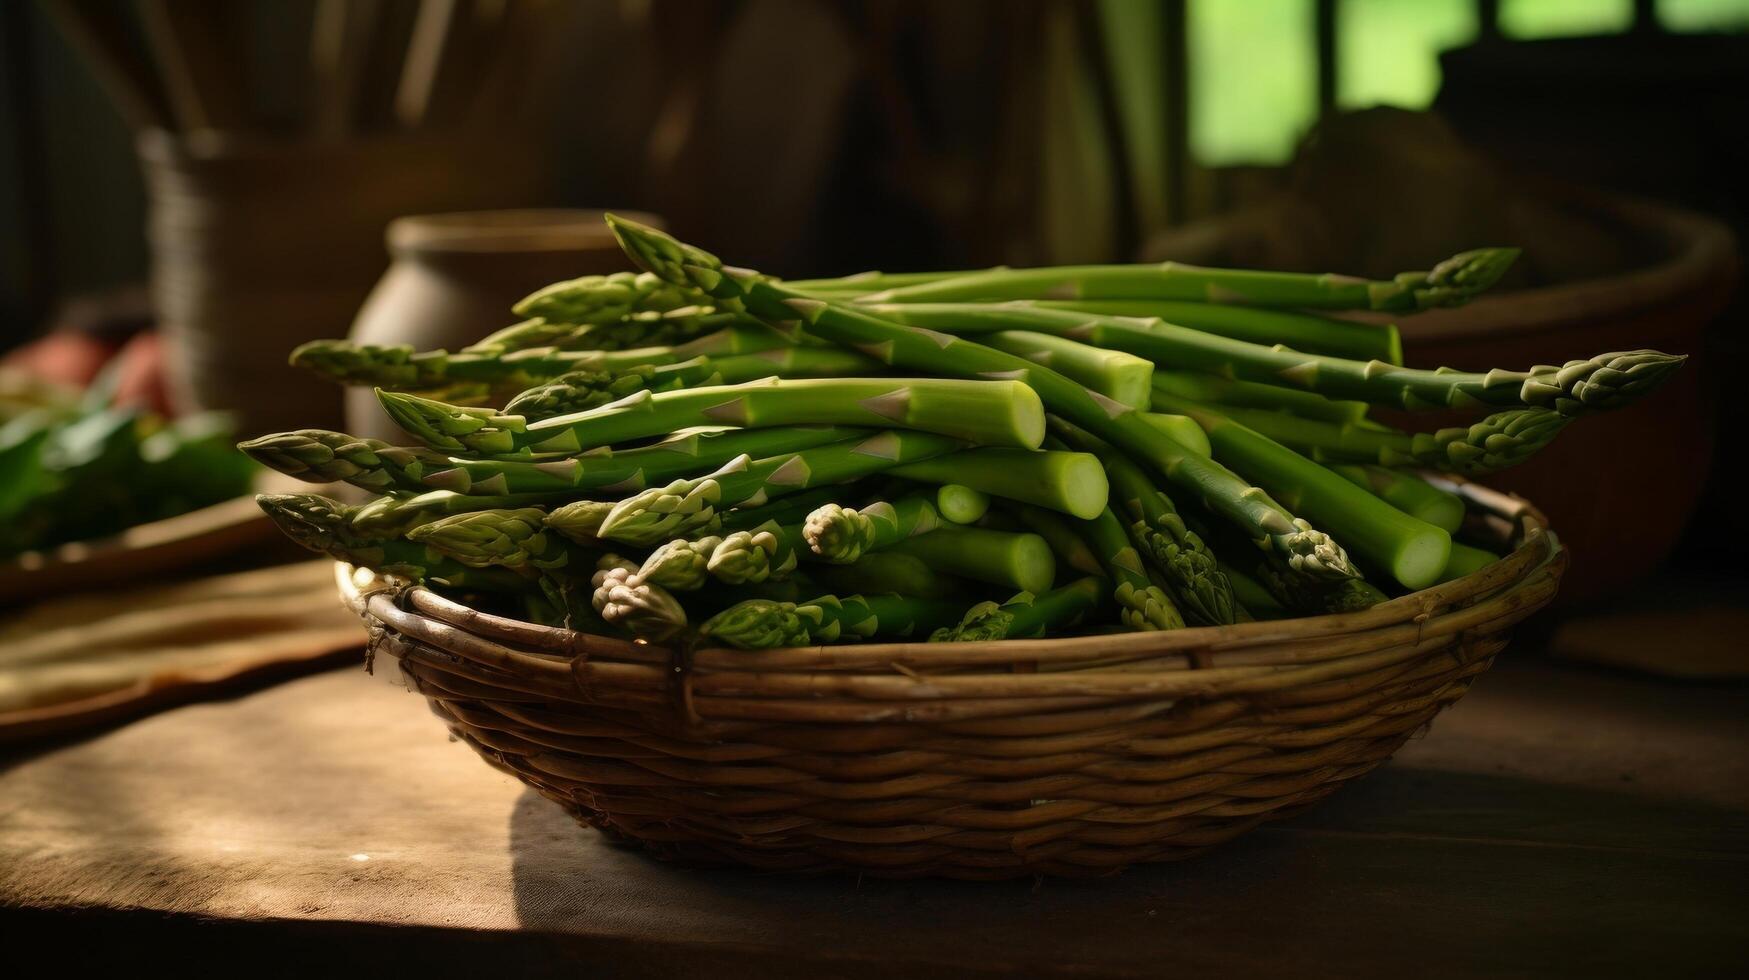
227, 171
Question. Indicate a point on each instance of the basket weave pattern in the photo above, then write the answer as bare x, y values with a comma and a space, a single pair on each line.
1072, 756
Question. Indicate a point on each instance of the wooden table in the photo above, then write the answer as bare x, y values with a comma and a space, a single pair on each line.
1556, 823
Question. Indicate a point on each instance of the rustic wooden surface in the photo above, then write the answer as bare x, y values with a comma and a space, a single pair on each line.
1558, 822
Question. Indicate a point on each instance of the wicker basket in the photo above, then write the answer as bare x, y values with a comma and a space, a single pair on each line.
1073, 756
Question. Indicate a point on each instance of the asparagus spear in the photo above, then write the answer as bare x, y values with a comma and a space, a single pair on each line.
400, 366
1349, 595
580, 391
637, 330
604, 299
1499, 441
1299, 331
1189, 566
393, 515
1466, 559
1313, 553
580, 520
1003, 413
1181, 430
1227, 393
1412, 551
1124, 378
321, 456
532, 332
1065, 539
323, 525
681, 565
1006, 558
760, 624
765, 552
1142, 604
867, 282
618, 471
592, 373
961, 504
1252, 599
643, 609
787, 510
516, 538
1025, 615
326, 457
663, 512
841, 535
1606, 381
1073, 483
1262, 589
1450, 283
1408, 493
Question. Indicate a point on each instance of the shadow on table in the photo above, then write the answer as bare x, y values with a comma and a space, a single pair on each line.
1404, 865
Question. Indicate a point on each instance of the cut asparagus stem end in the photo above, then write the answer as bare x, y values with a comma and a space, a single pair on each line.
1421, 558
961, 504
1086, 487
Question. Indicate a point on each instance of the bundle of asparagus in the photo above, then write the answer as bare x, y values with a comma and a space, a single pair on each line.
698, 453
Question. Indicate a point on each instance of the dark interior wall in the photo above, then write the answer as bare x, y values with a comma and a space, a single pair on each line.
71, 204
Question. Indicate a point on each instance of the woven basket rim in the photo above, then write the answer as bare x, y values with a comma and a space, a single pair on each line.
570, 665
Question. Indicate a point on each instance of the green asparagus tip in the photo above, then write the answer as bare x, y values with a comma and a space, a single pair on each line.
309, 519
1452, 282
658, 253
838, 534
644, 608
984, 621
291, 453
1497, 442
757, 624
748, 556
680, 564
508, 538
1600, 383
1147, 608
661, 513
417, 417
349, 363
1314, 554
1474, 270
1189, 566
581, 520
448, 427
321, 456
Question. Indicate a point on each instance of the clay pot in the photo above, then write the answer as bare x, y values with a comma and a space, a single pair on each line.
454, 277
